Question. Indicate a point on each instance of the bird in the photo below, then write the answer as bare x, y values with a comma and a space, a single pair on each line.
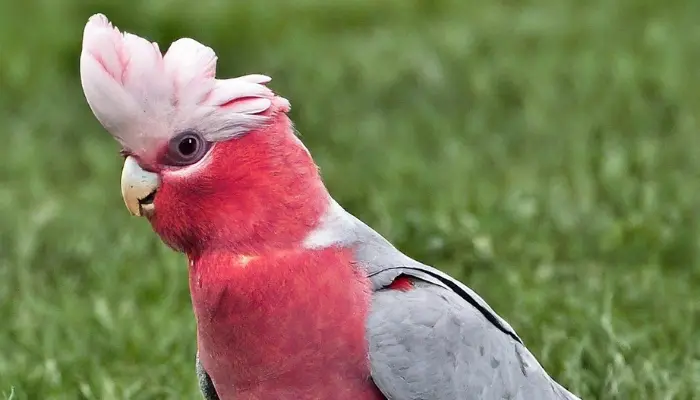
293, 296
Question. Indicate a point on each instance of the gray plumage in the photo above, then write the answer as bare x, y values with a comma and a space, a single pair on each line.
437, 341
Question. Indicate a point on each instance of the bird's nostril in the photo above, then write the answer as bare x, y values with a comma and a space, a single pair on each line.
148, 199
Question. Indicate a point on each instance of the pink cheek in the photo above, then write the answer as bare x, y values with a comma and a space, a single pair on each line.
163, 204
172, 199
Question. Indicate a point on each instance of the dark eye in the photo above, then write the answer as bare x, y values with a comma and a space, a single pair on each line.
186, 148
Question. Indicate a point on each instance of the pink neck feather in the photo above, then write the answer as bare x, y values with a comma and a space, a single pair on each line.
271, 326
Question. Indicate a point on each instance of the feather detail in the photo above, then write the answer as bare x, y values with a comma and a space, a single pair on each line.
255, 78
249, 106
144, 98
192, 67
402, 283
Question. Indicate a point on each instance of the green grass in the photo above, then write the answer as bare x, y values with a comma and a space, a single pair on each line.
545, 152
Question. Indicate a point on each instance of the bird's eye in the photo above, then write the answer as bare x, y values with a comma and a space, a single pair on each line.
186, 148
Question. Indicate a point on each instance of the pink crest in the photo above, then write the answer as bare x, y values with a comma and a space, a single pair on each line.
143, 98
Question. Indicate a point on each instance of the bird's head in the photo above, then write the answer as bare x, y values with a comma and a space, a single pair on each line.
210, 162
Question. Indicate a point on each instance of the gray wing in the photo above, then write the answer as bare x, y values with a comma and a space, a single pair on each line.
428, 343
205, 383
439, 340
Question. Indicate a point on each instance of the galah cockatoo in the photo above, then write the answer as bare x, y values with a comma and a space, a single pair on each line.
294, 297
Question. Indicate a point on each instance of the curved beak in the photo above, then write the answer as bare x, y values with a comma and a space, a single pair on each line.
138, 188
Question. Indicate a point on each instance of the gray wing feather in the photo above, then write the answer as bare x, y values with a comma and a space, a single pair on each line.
205, 384
428, 343
382, 278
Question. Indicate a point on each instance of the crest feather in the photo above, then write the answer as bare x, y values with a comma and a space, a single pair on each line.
144, 98
192, 67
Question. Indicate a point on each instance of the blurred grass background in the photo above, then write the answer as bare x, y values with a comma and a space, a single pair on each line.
545, 152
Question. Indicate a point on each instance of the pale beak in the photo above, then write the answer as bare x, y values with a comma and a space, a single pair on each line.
138, 188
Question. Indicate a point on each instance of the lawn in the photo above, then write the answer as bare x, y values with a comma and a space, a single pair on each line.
544, 152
